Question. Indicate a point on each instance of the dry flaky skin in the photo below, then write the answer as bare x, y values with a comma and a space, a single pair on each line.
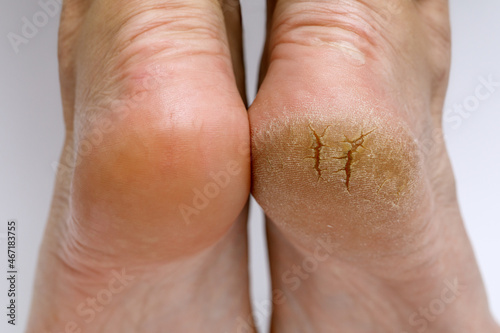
370, 171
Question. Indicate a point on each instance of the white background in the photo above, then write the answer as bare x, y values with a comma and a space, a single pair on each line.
31, 134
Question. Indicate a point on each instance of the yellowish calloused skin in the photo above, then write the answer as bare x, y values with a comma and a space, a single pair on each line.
372, 167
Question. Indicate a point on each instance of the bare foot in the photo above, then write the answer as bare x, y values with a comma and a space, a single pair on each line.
147, 229
365, 232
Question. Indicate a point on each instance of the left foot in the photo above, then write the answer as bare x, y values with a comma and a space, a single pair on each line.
365, 233
147, 231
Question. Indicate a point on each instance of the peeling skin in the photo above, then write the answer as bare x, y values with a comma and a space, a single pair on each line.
318, 144
382, 185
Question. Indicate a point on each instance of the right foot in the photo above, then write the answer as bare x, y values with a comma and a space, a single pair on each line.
147, 230
365, 233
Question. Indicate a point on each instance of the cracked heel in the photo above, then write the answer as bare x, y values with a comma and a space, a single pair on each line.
349, 177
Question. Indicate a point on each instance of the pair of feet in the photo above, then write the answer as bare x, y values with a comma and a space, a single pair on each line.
147, 231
